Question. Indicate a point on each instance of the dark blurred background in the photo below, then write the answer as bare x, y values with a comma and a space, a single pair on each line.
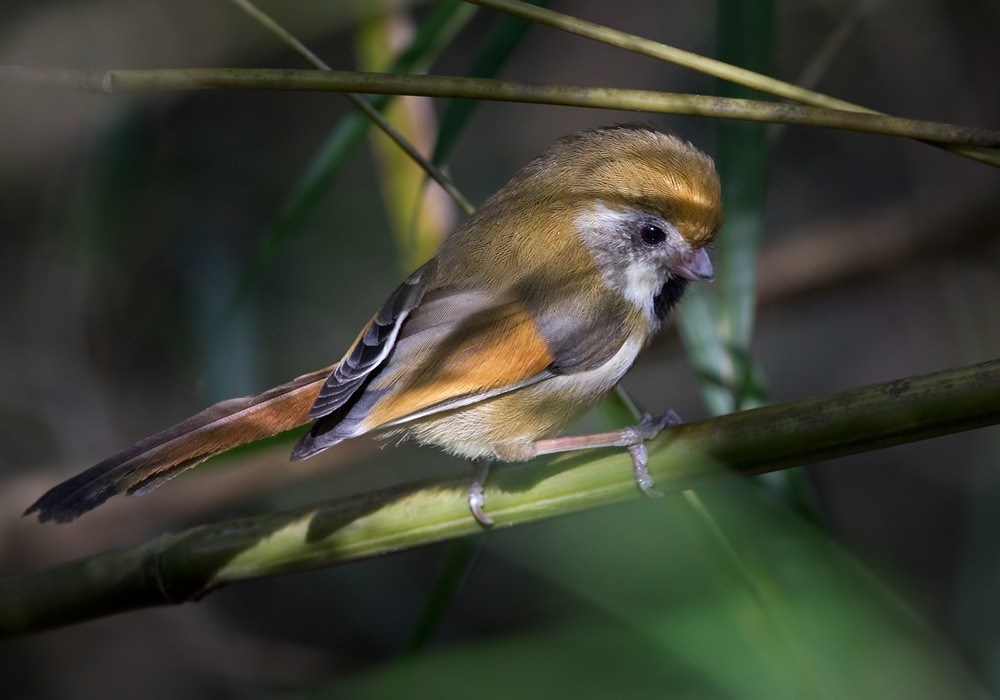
127, 222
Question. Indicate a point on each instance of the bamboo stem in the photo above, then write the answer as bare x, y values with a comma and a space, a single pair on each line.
185, 566
113, 82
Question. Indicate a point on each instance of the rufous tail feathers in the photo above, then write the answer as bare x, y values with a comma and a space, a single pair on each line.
158, 458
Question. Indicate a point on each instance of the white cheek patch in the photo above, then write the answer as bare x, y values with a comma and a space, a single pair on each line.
642, 282
639, 278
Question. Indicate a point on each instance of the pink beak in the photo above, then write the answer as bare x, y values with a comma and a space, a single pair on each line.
697, 267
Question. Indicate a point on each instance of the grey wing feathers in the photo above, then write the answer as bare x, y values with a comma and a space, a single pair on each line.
580, 341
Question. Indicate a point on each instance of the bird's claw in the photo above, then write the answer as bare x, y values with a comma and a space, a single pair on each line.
476, 498
640, 468
647, 428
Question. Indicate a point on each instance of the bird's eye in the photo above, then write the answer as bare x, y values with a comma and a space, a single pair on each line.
652, 234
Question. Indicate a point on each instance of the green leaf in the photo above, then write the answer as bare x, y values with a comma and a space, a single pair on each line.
436, 31
500, 43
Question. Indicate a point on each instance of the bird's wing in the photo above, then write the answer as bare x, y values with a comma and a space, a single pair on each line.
372, 346
462, 347
451, 347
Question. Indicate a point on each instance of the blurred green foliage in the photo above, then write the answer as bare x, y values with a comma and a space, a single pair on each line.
128, 224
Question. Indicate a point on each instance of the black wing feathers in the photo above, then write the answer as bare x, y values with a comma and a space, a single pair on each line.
372, 348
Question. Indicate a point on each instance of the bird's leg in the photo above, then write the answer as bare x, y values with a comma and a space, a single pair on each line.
633, 437
476, 499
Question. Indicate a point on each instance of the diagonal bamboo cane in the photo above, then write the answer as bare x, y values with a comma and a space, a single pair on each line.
185, 566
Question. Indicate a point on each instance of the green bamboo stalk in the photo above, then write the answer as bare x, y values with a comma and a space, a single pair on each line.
185, 566
665, 52
113, 82
436, 32
702, 64
716, 322
496, 49
362, 105
745, 36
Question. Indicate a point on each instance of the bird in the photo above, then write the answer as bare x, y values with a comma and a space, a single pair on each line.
525, 318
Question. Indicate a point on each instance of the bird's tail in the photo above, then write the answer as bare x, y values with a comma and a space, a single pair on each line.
158, 458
